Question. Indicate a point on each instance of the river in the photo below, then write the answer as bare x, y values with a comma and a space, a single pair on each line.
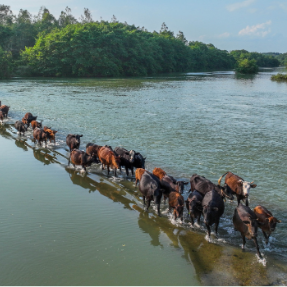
60, 227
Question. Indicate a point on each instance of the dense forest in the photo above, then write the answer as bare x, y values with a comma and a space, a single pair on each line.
42, 45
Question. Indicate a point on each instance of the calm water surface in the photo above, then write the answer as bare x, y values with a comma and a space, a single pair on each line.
59, 227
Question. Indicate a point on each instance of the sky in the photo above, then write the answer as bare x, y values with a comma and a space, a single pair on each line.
253, 25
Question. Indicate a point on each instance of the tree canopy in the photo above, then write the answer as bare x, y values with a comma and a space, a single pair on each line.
83, 47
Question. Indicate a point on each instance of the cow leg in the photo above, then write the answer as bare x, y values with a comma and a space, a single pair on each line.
136, 183
198, 219
127, 171
238, 201
158, 199
243, 240
246, 202
115, 171
191, 219
108, 169
144, 200
216, 227
132, 169
208, 229
257, 247
266, 237
148, 204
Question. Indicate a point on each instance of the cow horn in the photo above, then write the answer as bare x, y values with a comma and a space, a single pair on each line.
221, 178
251, 182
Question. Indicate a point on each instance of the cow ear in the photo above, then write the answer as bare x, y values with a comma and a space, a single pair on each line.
185, 182
55, 132
253, 185
80, 136
144, 158
240, 180
246, 222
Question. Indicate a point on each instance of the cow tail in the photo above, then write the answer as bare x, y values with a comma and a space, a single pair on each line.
221, 178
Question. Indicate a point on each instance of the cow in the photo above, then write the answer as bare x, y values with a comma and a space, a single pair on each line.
79, 157
212, 209
93, 149
40, 135
20, 127
204, 185
237, 186
176, 202
127, 158
139, 161
4, 109
51, 132
1, 117
28, 118
194, 207
108, 157
73, 141
138, 174
149, 186
168, 183
246, 222
267, 221
35, 124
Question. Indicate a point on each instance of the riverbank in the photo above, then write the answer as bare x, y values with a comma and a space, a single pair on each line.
61, 227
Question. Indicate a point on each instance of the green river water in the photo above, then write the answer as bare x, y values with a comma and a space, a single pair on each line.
61, 227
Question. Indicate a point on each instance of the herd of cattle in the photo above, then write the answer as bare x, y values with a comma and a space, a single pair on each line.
205, 198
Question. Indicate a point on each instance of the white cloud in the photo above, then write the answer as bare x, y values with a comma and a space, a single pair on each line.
239, 5
256, 30
224, 35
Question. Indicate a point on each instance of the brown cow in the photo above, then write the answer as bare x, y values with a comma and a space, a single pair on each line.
107, 157
28, 118
92, 149
52, 133
238, 186
5, 110
267, 220
40, 135
176, 201
35, 124
79, 157
157, 171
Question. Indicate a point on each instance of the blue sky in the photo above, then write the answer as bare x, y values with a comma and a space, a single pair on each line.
254, 25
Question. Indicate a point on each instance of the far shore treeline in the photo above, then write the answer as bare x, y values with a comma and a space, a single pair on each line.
42, 45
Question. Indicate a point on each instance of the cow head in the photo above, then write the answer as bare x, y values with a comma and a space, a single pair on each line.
252, 225
225, 191
140, 158
272, 221
180, 186
246, 187
193, 206
132, 154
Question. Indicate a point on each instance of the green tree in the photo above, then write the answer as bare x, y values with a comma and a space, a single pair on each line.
246, 66
5, 64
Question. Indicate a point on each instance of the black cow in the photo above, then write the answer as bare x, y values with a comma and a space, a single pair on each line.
246, 222
150, 188
203, 185
20, 127
212, 209
127, 158
73, 141
169, 184
139, 161
193, 205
